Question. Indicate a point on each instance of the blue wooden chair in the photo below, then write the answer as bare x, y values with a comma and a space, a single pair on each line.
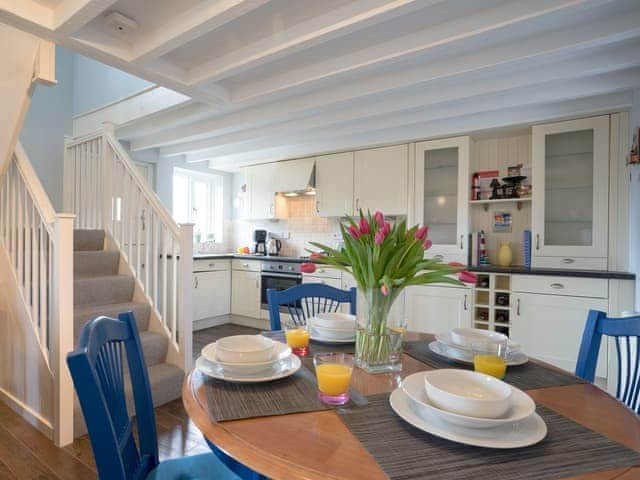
626, 332
97, 370
304, 301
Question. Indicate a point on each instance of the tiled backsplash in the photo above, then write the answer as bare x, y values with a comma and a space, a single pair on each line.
302, 226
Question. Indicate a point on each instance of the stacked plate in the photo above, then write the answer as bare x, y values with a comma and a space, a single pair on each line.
333, 327
460, 344
247, 358
469, 407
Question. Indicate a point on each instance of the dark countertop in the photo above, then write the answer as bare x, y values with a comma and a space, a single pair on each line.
262, 258
555, 272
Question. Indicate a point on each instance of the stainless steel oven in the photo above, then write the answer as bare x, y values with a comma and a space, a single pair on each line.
278, 275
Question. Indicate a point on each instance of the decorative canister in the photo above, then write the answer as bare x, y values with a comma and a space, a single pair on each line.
505, 255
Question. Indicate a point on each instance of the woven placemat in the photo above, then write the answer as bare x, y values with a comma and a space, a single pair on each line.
407, 453
314, 347
235, 401
528, 376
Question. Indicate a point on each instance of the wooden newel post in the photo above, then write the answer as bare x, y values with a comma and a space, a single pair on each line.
61, 341
185, 294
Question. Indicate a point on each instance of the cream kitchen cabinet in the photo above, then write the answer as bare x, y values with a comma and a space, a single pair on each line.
380, 179
261, 190
441, 195
435, 309
211, 294
570, 194
245, 293
549, 327
334, 184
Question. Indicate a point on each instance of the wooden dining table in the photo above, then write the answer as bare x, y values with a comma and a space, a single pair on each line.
318, 445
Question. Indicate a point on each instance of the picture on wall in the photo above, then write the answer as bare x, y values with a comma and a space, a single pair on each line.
502, 222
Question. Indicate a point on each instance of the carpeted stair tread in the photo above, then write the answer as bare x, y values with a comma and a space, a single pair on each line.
96, 262
84, 240
102, 289
83, 313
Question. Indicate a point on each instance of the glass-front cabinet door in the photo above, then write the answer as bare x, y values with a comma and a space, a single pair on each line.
441, 197
570, 193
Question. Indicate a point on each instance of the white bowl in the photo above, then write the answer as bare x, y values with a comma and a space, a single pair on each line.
281, 352
468, 393
333, 333
334, 320
244, 349
467, 337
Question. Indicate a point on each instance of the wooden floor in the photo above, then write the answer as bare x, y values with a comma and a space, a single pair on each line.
27, 454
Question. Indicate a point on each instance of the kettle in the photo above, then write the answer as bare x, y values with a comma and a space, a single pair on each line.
273, 246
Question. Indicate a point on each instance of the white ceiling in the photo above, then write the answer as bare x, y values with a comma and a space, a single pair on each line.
273, 79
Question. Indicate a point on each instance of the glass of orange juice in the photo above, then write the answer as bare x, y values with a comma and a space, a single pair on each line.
297, 337
491, 358
333, 371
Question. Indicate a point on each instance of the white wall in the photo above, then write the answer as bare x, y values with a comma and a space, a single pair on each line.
48, 121
634, 203
96, 84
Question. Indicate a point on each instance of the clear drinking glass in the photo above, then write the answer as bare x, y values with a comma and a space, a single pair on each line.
333, 372
491, 358
297, 337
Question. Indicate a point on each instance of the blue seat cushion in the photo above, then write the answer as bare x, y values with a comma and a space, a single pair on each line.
197, 467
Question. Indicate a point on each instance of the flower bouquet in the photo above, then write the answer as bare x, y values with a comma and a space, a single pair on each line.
384, 258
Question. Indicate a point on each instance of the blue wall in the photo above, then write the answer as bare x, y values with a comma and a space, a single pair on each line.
47, 122
96, 84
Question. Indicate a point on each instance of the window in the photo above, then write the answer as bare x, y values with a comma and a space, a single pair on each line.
197, 198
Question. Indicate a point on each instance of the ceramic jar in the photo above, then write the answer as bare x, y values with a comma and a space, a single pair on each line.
505, 255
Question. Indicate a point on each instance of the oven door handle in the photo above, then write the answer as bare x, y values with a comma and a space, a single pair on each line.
292, 276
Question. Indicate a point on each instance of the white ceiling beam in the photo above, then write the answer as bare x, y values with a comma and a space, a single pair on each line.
519, 53
605, 60
71, 15
189, 112
27, 15
539, 93
513, 117
195, 22
333, 24
507, 20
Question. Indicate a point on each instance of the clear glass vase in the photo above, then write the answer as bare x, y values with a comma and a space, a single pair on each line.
378, 348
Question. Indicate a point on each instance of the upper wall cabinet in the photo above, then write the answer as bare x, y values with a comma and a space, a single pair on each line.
380, 179
570, 193
334, 184
260, 187
441, 195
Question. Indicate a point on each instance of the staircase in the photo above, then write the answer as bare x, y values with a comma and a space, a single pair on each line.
99, 288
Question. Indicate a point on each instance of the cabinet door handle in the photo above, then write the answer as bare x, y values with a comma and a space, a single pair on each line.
465, 303
518, 307
357, 205
461, 242
557, 286
245, 265
537, 241
438, 257
196, 281
317, 206
568, 260
212, 265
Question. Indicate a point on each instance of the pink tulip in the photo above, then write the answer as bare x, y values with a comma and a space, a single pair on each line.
455, 264
427, 244
315, 255
379, 238
354, 232
365, 228
379, 218
385, 290
386, 228
421, 233
308, 267
467, 277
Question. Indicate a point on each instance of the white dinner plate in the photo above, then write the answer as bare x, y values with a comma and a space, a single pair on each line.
448, 340
521, 405
281, 351
463, 356
514, 435
284, 368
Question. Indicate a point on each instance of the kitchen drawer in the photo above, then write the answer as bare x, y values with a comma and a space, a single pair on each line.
332, 282
211, 264
570, 263
325, 272
248, 265
567, 286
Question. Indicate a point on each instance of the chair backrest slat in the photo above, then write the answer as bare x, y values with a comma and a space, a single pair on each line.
626, 334
97, 369
312, 298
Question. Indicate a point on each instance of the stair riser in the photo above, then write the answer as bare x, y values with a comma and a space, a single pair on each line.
140, 311
84, 240
96, 263
102, 290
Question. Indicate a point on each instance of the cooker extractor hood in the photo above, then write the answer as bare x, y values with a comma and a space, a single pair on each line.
296, 177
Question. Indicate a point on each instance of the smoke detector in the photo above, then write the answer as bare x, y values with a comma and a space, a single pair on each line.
120, 24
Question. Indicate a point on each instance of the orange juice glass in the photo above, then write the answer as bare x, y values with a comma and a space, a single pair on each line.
333, 371
491, 360
297, 337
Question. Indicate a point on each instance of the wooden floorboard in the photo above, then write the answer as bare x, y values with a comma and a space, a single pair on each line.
25, 453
